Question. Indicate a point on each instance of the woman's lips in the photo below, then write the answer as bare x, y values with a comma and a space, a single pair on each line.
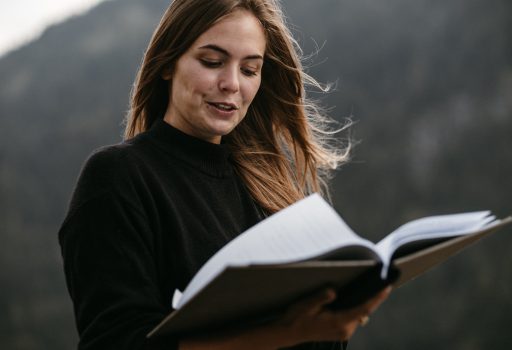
224, 106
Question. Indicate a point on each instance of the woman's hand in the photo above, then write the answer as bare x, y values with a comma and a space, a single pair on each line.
312, 320
305, 321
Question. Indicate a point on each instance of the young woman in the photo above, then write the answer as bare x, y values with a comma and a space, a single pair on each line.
219, 135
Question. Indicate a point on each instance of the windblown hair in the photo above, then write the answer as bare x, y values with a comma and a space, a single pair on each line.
282, 149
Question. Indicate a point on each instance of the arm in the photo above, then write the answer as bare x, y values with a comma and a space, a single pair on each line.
111, 275
306, 321
111, 257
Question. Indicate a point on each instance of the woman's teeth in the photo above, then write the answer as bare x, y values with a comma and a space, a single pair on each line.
223, 106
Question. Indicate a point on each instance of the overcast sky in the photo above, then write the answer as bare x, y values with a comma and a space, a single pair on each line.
24, 20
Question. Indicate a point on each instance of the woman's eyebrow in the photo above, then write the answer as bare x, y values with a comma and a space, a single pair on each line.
226, 53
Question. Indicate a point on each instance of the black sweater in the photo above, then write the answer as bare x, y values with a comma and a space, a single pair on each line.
145, 215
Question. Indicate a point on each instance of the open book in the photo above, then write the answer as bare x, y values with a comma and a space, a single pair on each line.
307, 246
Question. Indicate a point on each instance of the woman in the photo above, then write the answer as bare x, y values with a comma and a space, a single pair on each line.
219, 135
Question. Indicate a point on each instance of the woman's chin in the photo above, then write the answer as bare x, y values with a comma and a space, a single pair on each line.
222, 128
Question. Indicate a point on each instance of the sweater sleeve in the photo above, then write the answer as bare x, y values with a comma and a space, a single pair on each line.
109, 263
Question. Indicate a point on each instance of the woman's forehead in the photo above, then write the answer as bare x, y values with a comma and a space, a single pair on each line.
240, 32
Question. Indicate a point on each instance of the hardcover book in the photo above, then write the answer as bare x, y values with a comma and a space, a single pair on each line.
308, 246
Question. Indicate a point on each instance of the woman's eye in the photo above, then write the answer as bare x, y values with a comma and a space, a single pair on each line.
211, 64
249, 72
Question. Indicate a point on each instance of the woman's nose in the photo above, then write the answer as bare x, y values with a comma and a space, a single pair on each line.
229, 80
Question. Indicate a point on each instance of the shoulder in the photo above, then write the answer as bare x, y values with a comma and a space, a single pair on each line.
111, 157
107, 174
111, 168
118, 159
106, 164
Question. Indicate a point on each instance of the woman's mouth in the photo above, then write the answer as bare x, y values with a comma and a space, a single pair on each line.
223, 106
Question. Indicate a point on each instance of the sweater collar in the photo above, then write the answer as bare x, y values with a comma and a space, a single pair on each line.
208, 157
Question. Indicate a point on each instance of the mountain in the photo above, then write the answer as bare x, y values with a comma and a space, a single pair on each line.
61, 96
429, 84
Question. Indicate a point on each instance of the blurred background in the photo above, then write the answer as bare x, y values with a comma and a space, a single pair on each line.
428, 82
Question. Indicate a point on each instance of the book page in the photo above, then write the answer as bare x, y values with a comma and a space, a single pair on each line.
414, 264
305, 230
433, 228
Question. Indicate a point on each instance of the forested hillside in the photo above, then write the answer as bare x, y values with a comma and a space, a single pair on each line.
428, 84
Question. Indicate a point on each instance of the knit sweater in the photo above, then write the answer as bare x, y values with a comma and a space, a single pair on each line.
145, 215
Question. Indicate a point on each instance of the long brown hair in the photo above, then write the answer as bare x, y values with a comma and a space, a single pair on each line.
282, 148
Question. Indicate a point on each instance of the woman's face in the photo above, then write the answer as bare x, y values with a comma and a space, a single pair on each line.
216, 79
